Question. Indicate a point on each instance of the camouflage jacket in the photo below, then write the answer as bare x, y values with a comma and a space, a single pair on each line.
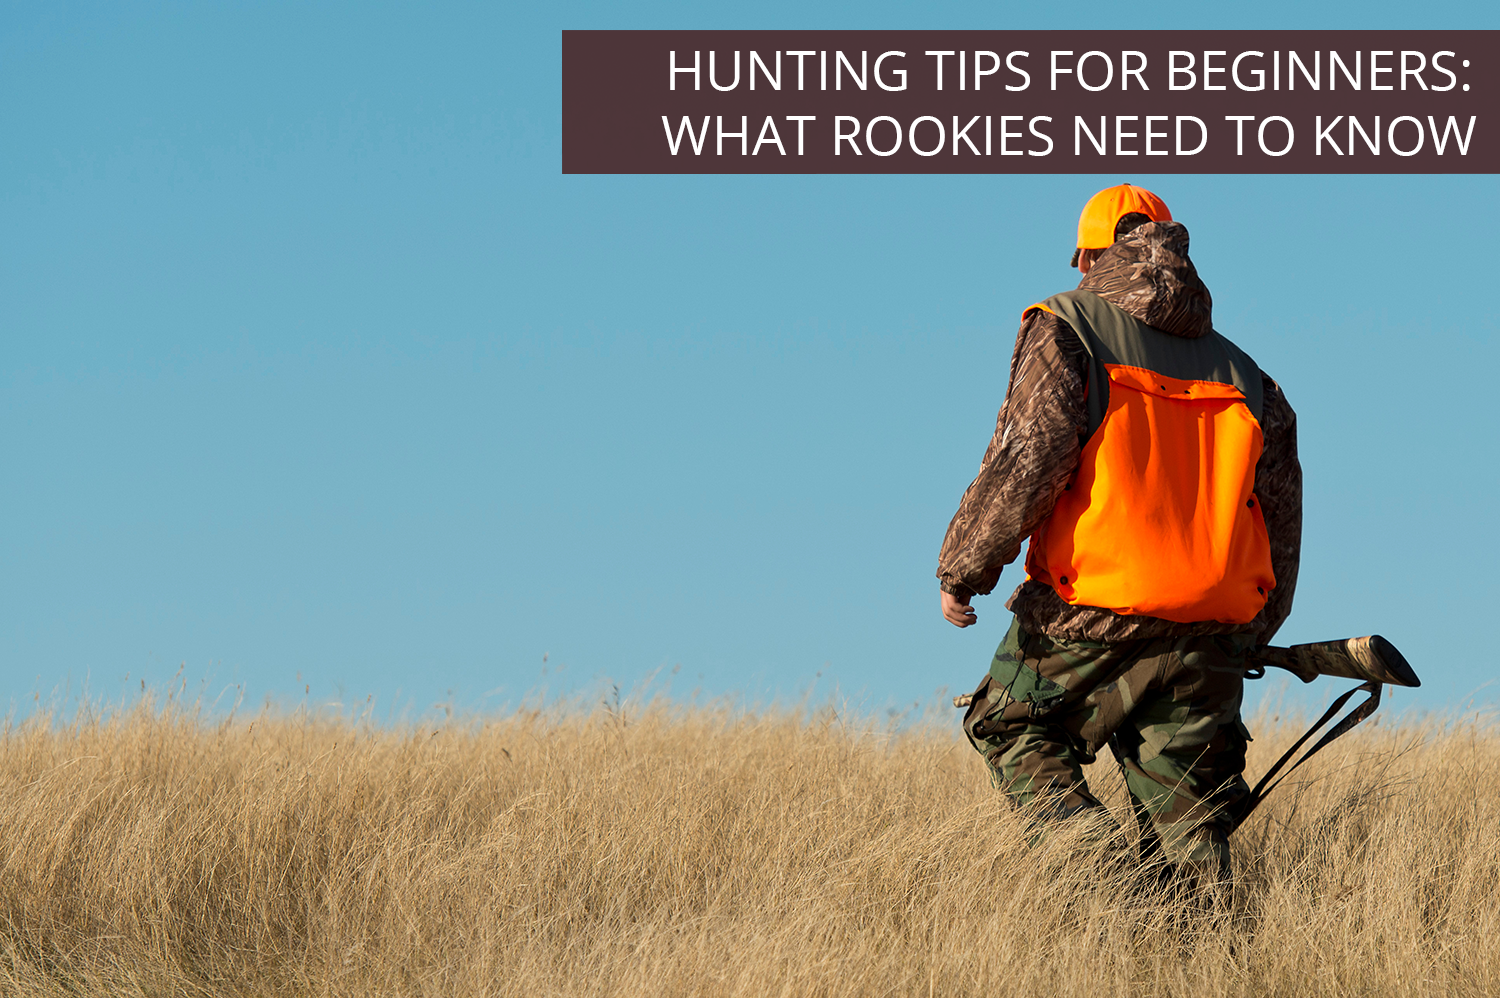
1039, 437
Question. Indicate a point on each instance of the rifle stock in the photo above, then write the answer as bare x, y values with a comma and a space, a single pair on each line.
1369, 659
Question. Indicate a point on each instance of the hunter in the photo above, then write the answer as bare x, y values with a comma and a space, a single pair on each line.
1153, 466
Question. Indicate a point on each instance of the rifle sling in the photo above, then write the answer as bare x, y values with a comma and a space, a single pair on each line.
1359, 713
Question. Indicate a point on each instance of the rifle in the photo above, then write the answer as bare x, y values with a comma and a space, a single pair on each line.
1373, 660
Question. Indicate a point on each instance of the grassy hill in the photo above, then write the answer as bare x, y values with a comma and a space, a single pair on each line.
663, 850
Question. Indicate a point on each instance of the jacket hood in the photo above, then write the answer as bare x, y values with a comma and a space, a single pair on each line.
1148, 274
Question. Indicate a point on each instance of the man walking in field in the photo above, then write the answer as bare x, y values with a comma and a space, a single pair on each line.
1154, 469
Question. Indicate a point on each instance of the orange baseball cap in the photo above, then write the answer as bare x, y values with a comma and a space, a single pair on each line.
1096, 226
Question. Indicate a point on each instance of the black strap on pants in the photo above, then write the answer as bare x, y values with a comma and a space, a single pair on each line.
1347, 723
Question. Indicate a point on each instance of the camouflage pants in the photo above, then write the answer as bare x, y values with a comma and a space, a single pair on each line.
1169, 710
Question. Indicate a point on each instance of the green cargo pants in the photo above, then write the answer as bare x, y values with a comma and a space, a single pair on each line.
1169, 709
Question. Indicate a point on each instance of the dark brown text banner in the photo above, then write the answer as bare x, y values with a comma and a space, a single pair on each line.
1029, 101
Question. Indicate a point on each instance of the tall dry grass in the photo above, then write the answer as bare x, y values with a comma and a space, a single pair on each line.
699, 851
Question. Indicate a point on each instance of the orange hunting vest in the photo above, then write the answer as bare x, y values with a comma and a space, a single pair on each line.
1160, 518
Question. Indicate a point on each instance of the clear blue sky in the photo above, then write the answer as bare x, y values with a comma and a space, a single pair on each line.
318, 372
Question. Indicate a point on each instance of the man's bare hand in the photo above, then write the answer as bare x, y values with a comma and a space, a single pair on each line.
957, 611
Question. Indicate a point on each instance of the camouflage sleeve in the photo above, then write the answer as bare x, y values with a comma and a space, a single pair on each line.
1034, 451
1278, 485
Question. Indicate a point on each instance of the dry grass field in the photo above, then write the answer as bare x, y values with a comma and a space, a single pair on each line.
660, 850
